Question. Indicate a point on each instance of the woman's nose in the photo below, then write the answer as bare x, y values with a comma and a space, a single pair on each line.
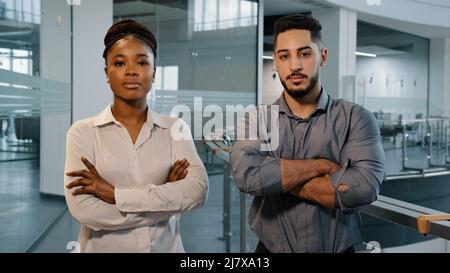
131, 72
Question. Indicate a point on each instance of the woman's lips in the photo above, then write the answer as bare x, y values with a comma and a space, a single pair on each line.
132, 85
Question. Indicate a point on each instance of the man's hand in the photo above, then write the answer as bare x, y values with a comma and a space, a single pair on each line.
91, 183
295, 173
329, 166
178, 171
318, 190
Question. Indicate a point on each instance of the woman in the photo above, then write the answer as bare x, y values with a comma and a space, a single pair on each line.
128, 174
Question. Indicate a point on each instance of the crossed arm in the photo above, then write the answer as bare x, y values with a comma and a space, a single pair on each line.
97, 204
309, 180
353, 184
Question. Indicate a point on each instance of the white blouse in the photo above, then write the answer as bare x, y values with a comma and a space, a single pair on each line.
146, 215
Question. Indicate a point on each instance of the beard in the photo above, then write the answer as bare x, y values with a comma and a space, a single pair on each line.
298, 94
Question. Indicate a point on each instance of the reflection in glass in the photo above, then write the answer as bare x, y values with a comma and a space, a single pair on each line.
33, 98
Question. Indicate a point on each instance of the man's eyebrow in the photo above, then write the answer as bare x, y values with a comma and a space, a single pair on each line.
298, 49
303, 48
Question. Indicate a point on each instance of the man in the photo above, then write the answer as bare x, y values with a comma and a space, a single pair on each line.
329, 161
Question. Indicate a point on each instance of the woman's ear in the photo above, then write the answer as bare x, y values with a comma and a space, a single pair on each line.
106, 73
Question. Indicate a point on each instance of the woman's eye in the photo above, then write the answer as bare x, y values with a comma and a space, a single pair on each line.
119, 63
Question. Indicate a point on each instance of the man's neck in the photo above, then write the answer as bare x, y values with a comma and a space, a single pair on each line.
303, 107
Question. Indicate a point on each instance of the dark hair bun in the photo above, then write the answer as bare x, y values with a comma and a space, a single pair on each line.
126, 28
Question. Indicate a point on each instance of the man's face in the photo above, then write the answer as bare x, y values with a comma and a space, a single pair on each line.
298, 59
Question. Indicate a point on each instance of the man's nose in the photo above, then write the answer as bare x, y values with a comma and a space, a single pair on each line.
296, 64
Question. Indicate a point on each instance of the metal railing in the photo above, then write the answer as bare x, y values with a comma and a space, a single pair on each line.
422, 219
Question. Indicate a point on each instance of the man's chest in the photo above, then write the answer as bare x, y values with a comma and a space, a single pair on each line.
319, 137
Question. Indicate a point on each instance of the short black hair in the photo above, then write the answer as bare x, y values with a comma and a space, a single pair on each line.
298, 21
127, 28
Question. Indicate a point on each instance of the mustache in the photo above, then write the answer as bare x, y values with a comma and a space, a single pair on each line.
296, 74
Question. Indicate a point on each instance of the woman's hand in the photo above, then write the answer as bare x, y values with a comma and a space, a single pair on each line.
91, 183
178, 171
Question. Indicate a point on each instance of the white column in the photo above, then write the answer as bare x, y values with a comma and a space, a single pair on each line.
55, 66
339, 36
259, 61
91, 93
90, 21
439, 96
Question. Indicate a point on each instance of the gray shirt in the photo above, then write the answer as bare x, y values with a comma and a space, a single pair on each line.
338, 130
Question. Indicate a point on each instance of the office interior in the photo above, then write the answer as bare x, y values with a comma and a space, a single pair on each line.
392, 57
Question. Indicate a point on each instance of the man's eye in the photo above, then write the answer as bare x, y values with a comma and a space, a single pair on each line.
306, 54
143, 63
283, 57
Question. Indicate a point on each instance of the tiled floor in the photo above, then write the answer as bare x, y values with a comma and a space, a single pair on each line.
24, 212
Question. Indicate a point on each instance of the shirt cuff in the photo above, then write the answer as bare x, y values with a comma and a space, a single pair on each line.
341, 197
270, 175
129, 200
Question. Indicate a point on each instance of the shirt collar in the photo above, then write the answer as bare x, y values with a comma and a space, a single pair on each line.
321, 106
153, 118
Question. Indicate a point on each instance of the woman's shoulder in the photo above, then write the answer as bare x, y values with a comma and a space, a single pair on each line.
83, 125
164, 121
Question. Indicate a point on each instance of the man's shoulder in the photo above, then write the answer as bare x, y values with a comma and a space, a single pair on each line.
352, 108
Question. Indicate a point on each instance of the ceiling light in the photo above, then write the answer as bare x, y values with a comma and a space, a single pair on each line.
358, 53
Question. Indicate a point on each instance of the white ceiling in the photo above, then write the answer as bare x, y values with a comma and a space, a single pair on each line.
279, 7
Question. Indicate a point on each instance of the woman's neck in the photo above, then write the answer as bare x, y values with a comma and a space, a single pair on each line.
129, 111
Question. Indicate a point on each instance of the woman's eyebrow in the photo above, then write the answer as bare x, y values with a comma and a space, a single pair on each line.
119, 56
137, 55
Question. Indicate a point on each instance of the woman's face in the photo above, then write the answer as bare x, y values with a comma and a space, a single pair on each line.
130, 69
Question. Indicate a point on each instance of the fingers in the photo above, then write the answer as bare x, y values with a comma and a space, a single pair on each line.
82, 173
182, 167
179, 170
83, 190
89, 165
343, 188
79, 183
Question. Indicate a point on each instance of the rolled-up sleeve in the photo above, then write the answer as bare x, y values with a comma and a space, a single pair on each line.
255, 171
362, 158
173, 197
87, 209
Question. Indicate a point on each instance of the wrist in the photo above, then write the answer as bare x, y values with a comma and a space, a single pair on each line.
323, 166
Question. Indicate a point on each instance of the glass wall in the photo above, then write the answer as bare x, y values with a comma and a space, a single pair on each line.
35, 72
207, 59
392, 82
207, 50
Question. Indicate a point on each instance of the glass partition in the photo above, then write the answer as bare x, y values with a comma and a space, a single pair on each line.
207, 59
35, 98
